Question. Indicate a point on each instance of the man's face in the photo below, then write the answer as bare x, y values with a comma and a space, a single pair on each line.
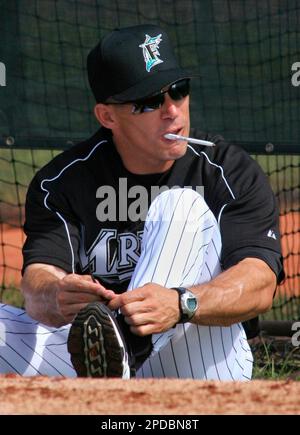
139, 137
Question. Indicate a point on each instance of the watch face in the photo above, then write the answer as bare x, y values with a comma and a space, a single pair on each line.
192, 304
188, 304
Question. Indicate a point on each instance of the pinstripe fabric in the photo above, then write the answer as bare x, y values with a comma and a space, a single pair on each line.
29, 348
181, 247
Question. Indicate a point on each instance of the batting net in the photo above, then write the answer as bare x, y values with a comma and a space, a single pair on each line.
245, 51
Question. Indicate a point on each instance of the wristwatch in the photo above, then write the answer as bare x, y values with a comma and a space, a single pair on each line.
188, 304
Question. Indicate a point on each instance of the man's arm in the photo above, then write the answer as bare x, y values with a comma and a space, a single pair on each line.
238, 294
54, 297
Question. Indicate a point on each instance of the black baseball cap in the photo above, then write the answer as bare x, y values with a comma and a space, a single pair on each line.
132, 63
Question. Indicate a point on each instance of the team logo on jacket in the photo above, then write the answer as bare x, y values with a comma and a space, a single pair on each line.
150, 51
112, 256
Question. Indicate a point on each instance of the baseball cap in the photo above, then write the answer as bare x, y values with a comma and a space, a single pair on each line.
132, 63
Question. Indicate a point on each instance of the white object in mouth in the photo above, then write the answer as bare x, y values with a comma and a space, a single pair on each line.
172, 136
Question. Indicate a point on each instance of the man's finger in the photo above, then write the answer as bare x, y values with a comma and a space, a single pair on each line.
142, 330
139, 319
125, 298
74, 283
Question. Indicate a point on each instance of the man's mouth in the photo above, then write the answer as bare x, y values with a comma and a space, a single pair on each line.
173, 131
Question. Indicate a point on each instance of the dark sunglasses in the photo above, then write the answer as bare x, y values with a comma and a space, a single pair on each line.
177, 91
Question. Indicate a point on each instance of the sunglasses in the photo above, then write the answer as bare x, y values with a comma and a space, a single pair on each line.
177, 91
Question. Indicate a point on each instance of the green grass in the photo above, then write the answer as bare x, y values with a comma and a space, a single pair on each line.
12, 296
283, 171
276, 359
283, 308
17, 168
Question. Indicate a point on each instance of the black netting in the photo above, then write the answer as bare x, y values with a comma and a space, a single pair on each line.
284, 175
244, 51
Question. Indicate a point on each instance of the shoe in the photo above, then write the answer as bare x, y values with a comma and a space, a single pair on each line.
139, 347
96, 344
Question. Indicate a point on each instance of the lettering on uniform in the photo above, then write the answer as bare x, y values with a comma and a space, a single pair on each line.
112, 256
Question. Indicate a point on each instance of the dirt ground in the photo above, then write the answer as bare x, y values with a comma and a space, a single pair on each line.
56, 396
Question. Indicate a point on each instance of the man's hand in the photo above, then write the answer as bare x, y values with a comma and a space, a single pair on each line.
74, 292
54, 297
149, 309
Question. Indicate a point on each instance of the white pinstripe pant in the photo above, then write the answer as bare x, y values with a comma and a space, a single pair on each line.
181, 247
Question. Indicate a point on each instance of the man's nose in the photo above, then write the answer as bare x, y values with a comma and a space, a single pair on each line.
169, 108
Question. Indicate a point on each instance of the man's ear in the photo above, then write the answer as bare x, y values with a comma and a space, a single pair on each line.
104, 115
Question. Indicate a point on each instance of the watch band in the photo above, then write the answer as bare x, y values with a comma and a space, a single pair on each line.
180, 291
185, 313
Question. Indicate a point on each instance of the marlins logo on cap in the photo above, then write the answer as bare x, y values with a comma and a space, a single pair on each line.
123, 68
150, 51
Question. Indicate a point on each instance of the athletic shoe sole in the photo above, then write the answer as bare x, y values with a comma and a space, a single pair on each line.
96, 345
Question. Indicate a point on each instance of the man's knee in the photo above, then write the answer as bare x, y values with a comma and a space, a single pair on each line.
180, 205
